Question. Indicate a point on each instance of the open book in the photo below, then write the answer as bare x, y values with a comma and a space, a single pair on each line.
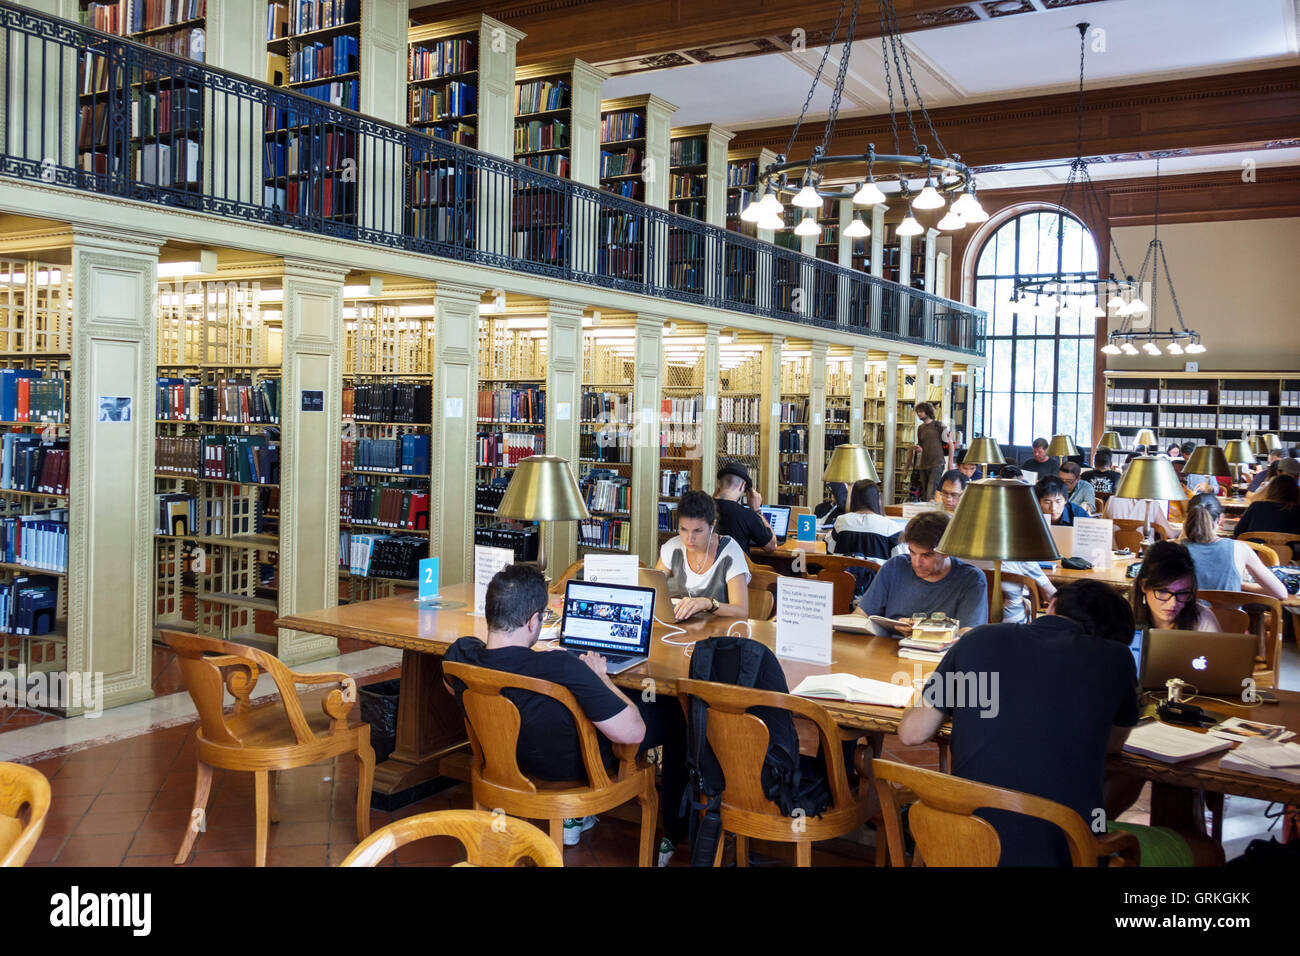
854, 690
1171, 744
860, 624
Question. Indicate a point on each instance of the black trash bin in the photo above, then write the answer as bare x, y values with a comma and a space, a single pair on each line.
379, 710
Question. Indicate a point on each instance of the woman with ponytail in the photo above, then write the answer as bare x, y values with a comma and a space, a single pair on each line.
1223, 564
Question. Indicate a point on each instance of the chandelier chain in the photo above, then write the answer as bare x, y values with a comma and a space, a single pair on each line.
839, 80
907, 63
889, 83
894, 42
817, 78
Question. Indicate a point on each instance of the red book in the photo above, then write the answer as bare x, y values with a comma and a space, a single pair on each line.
23, 402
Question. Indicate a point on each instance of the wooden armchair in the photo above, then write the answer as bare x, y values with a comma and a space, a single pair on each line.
493, 723
1033, 595
1125, 538
1264, 620
739, 741
21, 786
300, 731
490, 839
947, 832
1285, 546
762, 580
842, 582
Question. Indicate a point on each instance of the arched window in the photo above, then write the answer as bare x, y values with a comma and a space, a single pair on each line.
1038, 381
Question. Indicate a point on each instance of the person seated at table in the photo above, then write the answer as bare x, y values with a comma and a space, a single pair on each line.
1164, 592
1223, 564
865, 514
834, 506
1077, 491
925, 580
1103, 477
1153, 513
548, 740
742, 523
951, 485
1014, 596
1174, 452
1040, 462
1068, 698
1012, 472
706, 570
971, 471
1277, 512
1283, 466
1050, 492
1268, 471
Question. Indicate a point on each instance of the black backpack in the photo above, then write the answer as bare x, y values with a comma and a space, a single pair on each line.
789, 781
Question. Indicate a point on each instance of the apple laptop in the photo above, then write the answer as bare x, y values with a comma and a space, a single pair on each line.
1215, 664
614, 620
778, 516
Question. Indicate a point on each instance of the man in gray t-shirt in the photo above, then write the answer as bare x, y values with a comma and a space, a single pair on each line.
924, 580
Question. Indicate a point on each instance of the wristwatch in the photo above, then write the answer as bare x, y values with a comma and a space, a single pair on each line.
713, 608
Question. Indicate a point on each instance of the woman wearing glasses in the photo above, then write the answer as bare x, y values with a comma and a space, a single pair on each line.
1164, 593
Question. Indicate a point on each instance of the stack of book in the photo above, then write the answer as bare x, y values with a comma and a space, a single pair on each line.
28, 605
408, 455
38, 540
29, 464
26, 395
925, 648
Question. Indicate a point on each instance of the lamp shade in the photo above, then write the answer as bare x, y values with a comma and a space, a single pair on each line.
1062, 446
1110, 440
1272, 441
1207, 460
543, 489
1145, 438
1238, 452
850, 463
1259, 445
1151, 477
998, 518
983, 451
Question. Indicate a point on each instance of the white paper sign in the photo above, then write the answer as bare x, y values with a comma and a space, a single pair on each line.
563, 411
912, 509
1093, 540
1029, 476
487, 562
803, 619
817, 418
776, 409
610, 568
647, 416
711, 402
454, 408
857, 413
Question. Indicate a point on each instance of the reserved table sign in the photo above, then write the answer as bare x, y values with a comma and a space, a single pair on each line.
803, 619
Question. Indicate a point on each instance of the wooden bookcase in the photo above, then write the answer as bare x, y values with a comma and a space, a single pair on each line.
544, 112
442, 77
624, 147
741, 412
681, 426
688, 173
173, 26
606, 442
796, 431
36, 343
839, 398
743, 168
828, 243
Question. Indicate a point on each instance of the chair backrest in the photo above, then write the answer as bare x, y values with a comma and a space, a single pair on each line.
894, 511
571, 572
1267, 553
210, 666
1033, 601
864, 544
21, 786
493, 722
1264, 620
843, 584
490, 839
762, 604
762, 579
1127, 524
943, 824
739, 740
1285, 545
1125, 538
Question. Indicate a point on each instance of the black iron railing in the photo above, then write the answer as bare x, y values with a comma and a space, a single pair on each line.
95, 112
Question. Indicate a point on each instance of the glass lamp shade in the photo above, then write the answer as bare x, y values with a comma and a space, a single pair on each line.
771, 204
868, 195
857, 229
752, 212
983, 451
807, 198
909, 226
998, 519
772, 221
1207, 460
928, 198
1130, 349
1238, 452
1146, 437
850, 463
1062, 446
951, 222
1110, 348
807, 227
1110, 440
964, 204
977, 214
543, 489
1151, 477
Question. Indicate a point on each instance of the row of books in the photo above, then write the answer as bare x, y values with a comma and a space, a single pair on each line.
739, 410
519, 538
92, 73
691, 208
441, 224
611, 534
679, 441
683, 186
619, 227
537, 96
436, 58
454, 99
453, 132
524, 404
674, 484
250, 459
388, 402
309, 15
507, 449
318, 61
487, 498
439, 184
541, 134
29, 605
683, 244
631, 188
308, 152
168, 164
623, 125
606, 491
165, 111
607, 407
535, 208
28, 395
151, 14
793, 441
740, 443
690, 151
330, 196
344, 93
794, 411
176, 513
108, 17
794, 473
609, 444
668, 516
626, 262
681, 411
408, 454
189, 43
539, 243
555, 163
387, 505
623, 163
382, 555
29, 464
685, 276
277, 20
742, 173
229, 400
38, 540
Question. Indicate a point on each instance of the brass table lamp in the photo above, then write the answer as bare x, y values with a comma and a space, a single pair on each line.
1110, 440
543, 489
1260, 446
1062, 446
1146, 438
983, 451
998, 519
1238, 452
1207, 460
1150, 477
1273, 441
850, 463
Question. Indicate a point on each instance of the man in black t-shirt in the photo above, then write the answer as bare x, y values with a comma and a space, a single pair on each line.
744, 525
1040, 462
1036, 708
548, 740
1102, 477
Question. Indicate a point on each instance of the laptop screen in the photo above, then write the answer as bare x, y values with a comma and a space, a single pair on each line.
607, 617
778, 517
1135, 647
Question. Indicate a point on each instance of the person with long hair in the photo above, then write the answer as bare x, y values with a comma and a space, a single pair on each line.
1223, 564
865, 514
1278, 511
706, 570
1164, 592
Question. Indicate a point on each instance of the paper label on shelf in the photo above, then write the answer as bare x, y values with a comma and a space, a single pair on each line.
647, 416
776, 409
1093, 541
610, 568
803, 619
453, 408
817, 418
711, 402
563, 411
487, 562
428, 579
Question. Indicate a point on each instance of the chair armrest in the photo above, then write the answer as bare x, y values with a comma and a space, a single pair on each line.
626, 754
1124, 844
337, 703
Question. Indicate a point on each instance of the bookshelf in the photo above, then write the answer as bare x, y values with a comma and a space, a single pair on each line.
743, 168
511, 422
173, 26
1204, 407
544, 115
442, 79
795, 429
681, 426
385, 519
688, 173
623, 147
828, 242
36, 455
313, 48
839, 399
217, 460
741, 411
606, 441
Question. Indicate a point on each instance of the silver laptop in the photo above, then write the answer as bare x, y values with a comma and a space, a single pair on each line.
1215, 664
614, 620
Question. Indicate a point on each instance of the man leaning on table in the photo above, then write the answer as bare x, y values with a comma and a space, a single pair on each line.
924, 581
